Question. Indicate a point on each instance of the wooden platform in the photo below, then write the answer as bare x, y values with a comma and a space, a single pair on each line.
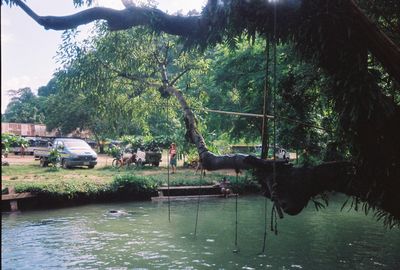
14, 197
188, 187
189, 192
17, 196
189, 197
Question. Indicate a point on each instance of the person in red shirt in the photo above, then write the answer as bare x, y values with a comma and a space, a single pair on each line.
172, 157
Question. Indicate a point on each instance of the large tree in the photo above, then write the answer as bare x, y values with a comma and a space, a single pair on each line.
24, 107
334, 35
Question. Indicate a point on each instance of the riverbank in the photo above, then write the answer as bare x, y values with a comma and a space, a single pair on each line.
66, 187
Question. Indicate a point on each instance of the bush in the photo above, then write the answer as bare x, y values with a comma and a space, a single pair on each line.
54, 158
123, 187
115, 151
131, 186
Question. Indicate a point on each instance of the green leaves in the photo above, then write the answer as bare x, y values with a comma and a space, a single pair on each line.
25, 107
8, 140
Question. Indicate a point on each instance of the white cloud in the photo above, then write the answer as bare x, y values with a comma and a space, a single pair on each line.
6, 38
117, 4
5, 21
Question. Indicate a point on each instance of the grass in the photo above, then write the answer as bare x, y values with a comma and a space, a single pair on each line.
108, 182
27, 174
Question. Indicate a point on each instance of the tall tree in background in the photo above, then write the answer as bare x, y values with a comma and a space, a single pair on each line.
25, 107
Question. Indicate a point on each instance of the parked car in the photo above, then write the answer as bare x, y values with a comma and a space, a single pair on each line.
40, 144
148, 157
92, 144
74, 152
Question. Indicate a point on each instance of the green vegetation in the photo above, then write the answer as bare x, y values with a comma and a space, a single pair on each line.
24, 107
8, 140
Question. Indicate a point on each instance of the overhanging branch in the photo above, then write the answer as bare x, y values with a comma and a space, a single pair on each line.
120, 19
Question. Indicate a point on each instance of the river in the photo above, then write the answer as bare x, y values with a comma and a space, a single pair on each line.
141, 237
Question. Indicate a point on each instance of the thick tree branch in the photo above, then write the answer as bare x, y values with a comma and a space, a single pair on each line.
120, 19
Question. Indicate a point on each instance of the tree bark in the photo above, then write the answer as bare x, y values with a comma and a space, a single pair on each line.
132, 16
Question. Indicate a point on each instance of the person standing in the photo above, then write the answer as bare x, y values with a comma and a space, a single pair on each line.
172, 157
22, 150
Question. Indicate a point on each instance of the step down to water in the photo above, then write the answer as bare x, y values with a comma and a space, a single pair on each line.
190, 197
14, 197
189, 190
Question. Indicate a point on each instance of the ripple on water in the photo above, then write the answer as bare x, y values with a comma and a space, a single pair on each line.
88, 239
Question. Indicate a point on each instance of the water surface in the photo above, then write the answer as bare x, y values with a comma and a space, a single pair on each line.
141, 237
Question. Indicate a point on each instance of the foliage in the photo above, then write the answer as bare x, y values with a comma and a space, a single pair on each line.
8, 140
50, 89
148, 143
24, 107
236, 84
122, 187
115, 151
136, 185
63, 190
54, 158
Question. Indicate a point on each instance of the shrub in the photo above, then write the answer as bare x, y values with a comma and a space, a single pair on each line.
131, 186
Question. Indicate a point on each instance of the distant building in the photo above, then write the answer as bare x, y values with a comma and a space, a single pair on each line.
24, 129
33, 130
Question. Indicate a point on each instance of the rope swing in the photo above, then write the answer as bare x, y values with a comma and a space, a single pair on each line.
236, 250
169, 201
198, 202
274, 225
276, 208
264, 133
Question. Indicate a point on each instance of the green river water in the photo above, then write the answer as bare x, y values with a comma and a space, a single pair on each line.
89, 237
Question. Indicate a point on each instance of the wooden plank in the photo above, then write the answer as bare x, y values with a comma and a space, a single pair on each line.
188, 187
17, 196
165, 198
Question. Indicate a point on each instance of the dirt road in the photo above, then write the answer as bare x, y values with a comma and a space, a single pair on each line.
102, 160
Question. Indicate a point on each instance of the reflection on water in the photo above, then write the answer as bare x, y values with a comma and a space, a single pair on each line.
139, 236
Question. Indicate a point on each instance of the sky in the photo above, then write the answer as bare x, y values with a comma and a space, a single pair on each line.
28, 50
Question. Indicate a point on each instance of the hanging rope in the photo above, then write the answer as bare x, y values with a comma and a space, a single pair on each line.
236, 250
274, 220
169, 201
198, 202
275, 206
264, 131
265, 223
